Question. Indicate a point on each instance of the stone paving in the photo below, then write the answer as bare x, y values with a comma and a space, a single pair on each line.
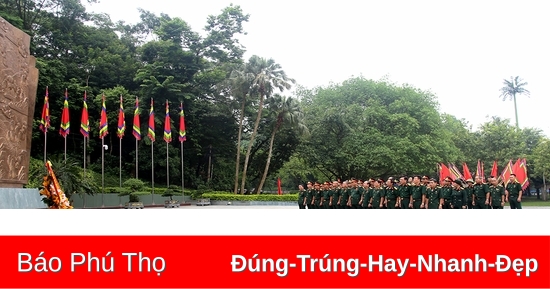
230, 207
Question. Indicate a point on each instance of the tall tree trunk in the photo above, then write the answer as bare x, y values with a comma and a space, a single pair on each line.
235, 190
254, 132
266, 169
516, 111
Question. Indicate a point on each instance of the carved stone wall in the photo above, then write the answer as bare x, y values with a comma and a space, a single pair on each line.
18, 85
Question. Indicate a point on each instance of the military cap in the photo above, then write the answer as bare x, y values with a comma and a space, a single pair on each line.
433, 180
470, 181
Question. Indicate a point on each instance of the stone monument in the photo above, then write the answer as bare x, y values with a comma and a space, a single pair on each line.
18, 86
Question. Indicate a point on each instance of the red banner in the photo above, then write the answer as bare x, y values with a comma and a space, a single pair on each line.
275, 261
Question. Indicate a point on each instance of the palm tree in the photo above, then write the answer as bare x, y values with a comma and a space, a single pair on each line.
511, 88
268, 76
282, 110
240, 86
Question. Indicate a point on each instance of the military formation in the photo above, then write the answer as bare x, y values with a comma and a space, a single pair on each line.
418, 192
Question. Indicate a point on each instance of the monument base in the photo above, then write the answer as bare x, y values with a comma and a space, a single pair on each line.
16, 198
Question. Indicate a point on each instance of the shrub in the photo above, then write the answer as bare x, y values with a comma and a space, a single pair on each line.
132, 187
134, 184
262, 198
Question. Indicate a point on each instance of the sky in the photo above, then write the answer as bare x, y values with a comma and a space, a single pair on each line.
459, 50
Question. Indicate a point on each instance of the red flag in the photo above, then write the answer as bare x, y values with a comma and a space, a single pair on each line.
151, 130
103, 130
467, 174
121, 128
136, 125
45, 121
523, 179
480, 171
455, 173
494, 170
167, 127
279, 190
182, 132
444, 172
515, 167
65, 126
505, 175
84, 121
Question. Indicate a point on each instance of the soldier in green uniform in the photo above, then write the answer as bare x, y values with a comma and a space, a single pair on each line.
514, 192
425, 181
355, 195
335, 195
480, 196
309, 196
325, 198
392, 194
365, 196
497, 194
344, 195
317, 194
378, 195
301, 197
458, 196
418, 193
469, 188
405, 197
446, 192
433, 200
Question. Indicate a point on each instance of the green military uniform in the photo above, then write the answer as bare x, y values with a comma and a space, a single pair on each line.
458, 198
391, 197
366, 198
335, 196
301, 198
309, 199
469, 192
326, 199
317, 199
496, 193
434, 197
480, 195
377, 194
417, 191
355, 197
405, 195
446, 193
513, 193
344, 195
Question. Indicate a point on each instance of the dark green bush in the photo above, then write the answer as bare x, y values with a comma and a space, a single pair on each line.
261, 198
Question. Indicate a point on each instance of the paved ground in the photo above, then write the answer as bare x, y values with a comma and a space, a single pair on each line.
193, 207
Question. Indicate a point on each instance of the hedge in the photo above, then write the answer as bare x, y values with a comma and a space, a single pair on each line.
260, 198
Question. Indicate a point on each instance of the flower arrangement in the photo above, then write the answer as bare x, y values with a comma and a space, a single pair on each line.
54, 196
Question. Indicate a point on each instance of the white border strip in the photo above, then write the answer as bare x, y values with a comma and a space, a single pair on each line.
212, 222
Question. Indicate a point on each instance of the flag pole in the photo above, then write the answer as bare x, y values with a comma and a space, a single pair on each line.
120, 169
182, 174
45, 143
167, 168
65, 153
84, 173
136, 158
102, 172
152, 175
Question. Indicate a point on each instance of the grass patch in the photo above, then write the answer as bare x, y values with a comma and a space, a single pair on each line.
532, 201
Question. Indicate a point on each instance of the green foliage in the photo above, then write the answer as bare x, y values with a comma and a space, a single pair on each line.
262, 198
134, 185
133, 198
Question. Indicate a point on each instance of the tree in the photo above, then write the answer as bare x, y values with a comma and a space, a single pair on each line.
541, 160
513, 87
239, 83
282, 110
268, 76
364, 128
